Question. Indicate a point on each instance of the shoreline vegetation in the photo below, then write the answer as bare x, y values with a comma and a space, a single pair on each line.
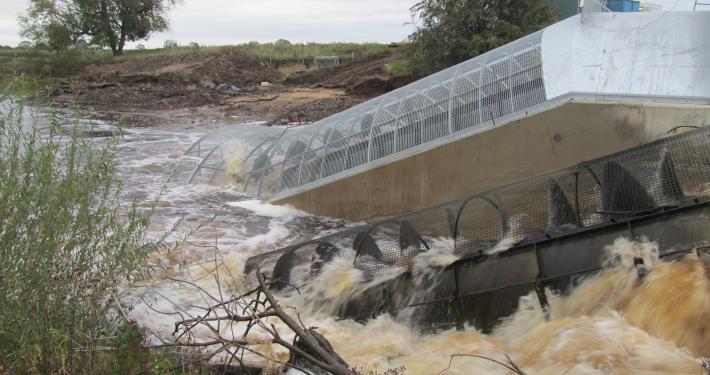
68, 248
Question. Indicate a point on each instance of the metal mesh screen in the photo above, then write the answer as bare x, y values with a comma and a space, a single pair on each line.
647, 179
325, 61
225, 151
595, 6
454, 102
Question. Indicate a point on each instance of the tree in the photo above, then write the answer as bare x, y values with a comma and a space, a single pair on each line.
281, 46
104, 23
453, 31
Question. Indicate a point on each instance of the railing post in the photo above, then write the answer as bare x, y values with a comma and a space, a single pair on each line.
451, 100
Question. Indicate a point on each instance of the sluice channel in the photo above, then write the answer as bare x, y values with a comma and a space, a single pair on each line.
469, 261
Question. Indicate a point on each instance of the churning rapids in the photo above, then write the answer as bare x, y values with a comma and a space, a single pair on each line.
610, 324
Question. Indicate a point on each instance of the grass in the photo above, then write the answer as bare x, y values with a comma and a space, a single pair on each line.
400, 67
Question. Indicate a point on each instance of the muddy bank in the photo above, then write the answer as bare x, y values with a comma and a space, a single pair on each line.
366, 77
228, 84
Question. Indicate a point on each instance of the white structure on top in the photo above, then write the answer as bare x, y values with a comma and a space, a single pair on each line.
634, 54
649, 7
598, 56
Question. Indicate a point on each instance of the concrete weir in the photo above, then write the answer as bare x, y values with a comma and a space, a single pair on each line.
502, 177
590, 85
566, 134
469, 261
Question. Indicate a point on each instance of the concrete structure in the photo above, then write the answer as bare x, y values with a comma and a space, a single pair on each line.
537, 234
564, 135
620, 62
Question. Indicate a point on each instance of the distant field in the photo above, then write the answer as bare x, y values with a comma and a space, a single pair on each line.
50, 66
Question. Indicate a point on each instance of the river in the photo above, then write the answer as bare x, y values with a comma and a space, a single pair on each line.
608, 325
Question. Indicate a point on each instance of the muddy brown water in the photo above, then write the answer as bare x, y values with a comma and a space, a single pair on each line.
610, 324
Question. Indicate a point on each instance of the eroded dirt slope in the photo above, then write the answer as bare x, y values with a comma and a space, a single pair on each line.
228, 83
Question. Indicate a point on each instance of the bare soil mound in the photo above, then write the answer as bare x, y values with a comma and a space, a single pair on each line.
227, 83
230, 66
365, 77
315, 110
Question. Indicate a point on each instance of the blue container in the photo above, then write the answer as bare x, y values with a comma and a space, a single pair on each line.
624, 5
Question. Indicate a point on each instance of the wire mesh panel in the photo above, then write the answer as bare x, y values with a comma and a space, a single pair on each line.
382, 143
435, 113
495, 85
647, 179
526, 80
225, 155
410, 116
466, 95
595, 6
294, 145
320, 62
362, 131
460, 99
335, 151
313, 156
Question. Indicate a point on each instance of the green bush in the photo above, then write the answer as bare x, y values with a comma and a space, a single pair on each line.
400, 67
68, 246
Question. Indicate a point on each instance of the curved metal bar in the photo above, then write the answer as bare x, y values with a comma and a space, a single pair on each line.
271, 148
327, 142
374, 123
505, 225
300, 168
215, 171
296, 138
451, 99
399, 109
199, 165
347, 144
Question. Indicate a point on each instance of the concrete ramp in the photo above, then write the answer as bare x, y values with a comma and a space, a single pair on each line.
620, 65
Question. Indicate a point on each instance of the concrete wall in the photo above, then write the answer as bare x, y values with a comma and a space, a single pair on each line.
558, 137
628, 53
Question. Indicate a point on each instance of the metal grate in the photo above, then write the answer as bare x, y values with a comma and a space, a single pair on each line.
224, 153
595, 6
643, 180
459, 100
325, 61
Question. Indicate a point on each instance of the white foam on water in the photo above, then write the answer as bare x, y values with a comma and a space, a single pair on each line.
610, 324
269, 210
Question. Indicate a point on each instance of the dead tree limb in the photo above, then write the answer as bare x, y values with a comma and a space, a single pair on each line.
220, 310
513, 367
335, 365
258, 99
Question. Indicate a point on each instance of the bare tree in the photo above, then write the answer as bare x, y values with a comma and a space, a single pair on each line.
256, 307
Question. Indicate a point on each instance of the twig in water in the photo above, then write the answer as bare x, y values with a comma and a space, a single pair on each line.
514, 367
683, 126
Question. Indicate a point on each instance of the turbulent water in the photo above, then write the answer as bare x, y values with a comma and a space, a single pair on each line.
610, 324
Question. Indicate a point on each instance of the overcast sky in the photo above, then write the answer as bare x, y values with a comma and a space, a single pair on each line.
219, 22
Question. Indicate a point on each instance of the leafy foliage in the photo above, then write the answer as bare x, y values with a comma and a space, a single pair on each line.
68, 246
453, 31
60, 24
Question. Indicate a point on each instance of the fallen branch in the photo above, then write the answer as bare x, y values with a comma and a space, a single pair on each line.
257, 99
220, 311
513, 367
335, 364
100, 86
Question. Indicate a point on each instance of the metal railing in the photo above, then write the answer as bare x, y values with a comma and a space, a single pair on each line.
462, 99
